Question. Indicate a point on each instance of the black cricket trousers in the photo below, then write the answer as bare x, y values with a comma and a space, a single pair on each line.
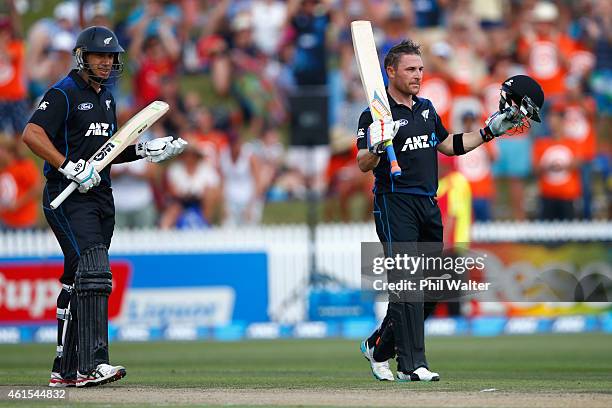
82, 221
405, 218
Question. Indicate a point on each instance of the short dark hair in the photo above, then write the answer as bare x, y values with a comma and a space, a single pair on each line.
395, 53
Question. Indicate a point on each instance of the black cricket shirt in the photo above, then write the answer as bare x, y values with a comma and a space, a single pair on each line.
420, 132
78, 121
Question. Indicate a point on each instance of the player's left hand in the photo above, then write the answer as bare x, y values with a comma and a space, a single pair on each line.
499, 123
161, 149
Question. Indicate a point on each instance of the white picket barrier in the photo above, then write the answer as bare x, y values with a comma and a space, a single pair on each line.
337, 249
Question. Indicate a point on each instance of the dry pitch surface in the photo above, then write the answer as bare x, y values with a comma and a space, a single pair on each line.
147, 396
515, 371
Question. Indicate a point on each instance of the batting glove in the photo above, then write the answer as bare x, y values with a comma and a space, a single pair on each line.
163, 148
84, 173
499, 123
379, 132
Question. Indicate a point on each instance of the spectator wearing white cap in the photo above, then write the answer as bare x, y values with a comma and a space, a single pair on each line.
545, 49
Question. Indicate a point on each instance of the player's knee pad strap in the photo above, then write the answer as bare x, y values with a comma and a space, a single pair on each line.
69, 339
93, 272
63, 303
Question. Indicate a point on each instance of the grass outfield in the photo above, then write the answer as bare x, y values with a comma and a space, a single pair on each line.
510, 364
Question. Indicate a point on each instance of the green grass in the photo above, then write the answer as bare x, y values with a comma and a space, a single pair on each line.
555, 363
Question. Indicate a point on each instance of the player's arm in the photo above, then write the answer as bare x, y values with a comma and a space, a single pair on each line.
82, 172
497, 124
37, 140
47, 122
371, 139
367, 160
469, 140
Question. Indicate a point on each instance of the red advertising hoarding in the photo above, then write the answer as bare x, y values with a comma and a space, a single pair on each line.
28, 290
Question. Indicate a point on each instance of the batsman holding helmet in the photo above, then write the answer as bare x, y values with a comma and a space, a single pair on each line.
405, 208
74, 119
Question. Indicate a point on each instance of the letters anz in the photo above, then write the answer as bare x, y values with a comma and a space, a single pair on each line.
97, 129
416, 142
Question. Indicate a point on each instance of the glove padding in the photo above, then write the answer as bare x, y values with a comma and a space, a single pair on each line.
163, 148
84, 173
379, 132
500, 122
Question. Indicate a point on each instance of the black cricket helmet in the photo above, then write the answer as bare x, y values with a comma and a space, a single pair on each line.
98, 39
526, 94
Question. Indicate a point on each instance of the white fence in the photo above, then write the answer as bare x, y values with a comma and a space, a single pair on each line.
337, 249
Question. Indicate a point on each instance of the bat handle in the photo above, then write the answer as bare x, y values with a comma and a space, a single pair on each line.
63, 195
396, 170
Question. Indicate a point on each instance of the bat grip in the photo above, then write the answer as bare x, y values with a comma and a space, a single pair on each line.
396, 171
63, 195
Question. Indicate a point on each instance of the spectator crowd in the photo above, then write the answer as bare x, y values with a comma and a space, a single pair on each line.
230, 68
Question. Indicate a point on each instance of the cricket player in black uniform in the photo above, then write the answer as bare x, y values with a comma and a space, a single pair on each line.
73, 120
405, 208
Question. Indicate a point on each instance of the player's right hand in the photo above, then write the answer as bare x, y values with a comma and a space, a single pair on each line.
84, 173
499, 123
379, 132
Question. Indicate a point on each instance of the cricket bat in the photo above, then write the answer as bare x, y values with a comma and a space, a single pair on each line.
372, 81
128, 133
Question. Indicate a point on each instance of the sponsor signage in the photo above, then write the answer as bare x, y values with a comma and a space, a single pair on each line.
28, 290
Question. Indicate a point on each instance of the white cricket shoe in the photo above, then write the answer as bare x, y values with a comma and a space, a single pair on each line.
104, 373
380, 371
57, 381
420, 374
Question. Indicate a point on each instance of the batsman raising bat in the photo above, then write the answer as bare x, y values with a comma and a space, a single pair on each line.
405, 209
74, 129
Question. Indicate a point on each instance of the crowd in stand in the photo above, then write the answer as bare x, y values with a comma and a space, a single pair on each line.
229, 69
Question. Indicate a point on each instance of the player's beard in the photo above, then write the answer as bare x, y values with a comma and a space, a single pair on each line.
409, 89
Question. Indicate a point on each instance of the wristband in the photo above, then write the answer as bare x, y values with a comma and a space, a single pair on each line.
458, 147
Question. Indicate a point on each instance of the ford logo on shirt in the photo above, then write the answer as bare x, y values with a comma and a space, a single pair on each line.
85, 106
403, 122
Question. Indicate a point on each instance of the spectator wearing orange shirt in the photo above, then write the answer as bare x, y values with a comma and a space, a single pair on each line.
207, 137
14, 109
545, 50
466, 63
556, 165
19, 187
476, 166
437, 82
579, 126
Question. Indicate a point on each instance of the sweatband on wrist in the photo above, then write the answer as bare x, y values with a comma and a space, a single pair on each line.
458, 147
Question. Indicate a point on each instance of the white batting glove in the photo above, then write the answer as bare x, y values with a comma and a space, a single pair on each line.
160, 149
82, 172
379, 132
499, 123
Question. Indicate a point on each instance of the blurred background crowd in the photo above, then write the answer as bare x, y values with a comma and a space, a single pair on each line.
237, 73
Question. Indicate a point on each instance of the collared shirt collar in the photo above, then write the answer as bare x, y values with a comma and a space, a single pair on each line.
81, 83
393, 103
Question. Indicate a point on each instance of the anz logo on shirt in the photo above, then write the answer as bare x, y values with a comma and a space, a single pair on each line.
420, 142
97, 129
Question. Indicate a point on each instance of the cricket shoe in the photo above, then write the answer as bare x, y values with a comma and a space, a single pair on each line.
103, 374
380, 371
57, 381
420, 374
